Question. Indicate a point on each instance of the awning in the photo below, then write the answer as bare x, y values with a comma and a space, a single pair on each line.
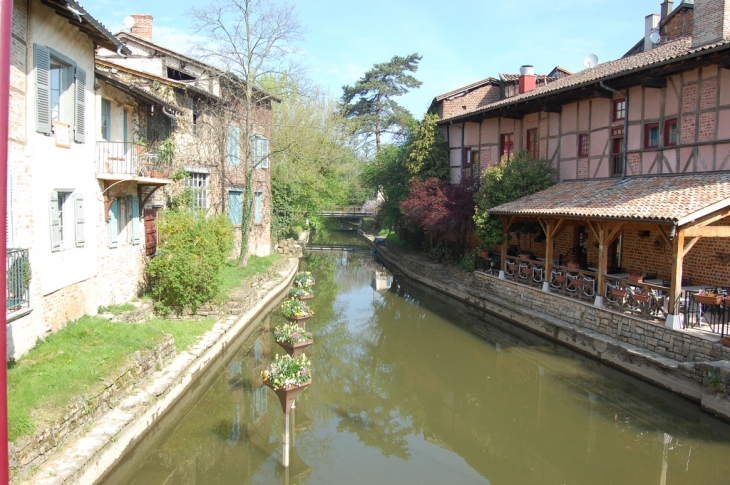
659, 199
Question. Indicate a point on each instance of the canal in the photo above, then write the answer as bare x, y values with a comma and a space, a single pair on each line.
410, 387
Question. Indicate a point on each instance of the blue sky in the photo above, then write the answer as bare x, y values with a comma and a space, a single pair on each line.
461, 42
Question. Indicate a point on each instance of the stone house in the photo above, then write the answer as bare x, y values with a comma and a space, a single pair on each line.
57, 229
657, 120
207, 127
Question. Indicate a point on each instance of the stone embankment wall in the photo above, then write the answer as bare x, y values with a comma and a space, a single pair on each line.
28, 454
683, 362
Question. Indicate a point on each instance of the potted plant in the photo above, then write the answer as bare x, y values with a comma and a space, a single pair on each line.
296, 311
302, 292
287, 376
304, 277
292, 338
708, 298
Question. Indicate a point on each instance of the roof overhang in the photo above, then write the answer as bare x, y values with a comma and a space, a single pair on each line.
134, 91
675, 200
87, 24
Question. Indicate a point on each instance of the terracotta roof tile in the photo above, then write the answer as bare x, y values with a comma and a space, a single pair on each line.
666, 198
664, 52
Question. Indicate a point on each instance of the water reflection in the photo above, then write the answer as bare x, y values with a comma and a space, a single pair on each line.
402, 394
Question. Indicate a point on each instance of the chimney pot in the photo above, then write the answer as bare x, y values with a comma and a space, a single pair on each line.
142, 25
528, 80
667, 8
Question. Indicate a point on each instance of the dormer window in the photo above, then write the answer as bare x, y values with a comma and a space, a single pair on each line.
176, 75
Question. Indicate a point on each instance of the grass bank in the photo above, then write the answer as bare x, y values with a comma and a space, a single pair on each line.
233, 276
76, 361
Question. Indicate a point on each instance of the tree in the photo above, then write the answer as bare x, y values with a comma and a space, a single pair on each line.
442, 211
428, 153
507, 181
249, 40
386, 176
369, 102
314, 165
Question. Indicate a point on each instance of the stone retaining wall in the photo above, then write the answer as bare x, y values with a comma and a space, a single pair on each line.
682, 362
30, 453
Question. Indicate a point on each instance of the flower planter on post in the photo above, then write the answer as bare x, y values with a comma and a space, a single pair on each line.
300, 320
305, 297
287, 395
295, 350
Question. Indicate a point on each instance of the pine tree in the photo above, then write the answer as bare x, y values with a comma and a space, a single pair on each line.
369, 103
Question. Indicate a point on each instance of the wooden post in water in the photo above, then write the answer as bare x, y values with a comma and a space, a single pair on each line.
293, 424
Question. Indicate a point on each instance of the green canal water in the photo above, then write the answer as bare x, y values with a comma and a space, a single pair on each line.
411, 388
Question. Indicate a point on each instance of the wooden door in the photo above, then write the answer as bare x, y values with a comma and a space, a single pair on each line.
150, 231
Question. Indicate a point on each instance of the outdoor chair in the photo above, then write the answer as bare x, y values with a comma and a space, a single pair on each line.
589, 287
557, 280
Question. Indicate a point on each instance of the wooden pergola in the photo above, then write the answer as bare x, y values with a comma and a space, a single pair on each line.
682, 208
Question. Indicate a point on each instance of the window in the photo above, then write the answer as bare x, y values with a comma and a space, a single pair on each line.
616, 156
260, 151
583, 145
106, 119
507, 145
531, 144
60, 92
234, 152
234, 206
619, 109
670, 132
66, 219
258, 195
124, 221
198, 182
651, 135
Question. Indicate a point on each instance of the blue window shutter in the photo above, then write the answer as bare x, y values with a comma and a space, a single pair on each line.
257, 207
79, 216
114, 224
265, 152
55, 222
80, 106
234, 140
106, 119
234, 206
135, 220
42, 64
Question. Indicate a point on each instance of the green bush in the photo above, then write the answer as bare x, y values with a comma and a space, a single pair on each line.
186, 272
394, 240
468, 262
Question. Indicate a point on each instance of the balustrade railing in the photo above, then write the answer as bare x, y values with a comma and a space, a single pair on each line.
17, 291
126, 158
632, 295
573, 282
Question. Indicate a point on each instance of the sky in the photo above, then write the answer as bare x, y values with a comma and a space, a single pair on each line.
461, 42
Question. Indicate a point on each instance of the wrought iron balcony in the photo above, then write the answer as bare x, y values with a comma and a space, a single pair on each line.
17, 293
125, 159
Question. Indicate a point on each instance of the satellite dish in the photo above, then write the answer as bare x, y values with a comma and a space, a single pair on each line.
128, 22
590, 61
655, 37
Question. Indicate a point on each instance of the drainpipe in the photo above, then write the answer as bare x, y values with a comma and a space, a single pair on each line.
626, 127
6, 22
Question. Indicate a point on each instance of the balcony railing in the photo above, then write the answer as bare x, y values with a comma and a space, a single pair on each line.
17, 294
124, 158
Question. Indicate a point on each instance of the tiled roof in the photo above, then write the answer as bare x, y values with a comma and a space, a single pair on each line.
489, 80
665, 52
665, 198
516, 77
78, 16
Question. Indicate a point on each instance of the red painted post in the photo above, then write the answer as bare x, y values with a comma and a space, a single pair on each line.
6, 22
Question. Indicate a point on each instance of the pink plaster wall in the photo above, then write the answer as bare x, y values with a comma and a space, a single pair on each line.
569, 115
600, 113
652, 100
584, 111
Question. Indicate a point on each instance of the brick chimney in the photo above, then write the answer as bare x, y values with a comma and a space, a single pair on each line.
142, 25
528, 80
711, 22
651, 25
667, 8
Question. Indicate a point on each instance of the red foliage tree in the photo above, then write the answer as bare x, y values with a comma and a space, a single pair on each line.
441, 210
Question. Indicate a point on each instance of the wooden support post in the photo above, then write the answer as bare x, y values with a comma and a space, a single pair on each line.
549, 226
601, 231
506, 224
675, 289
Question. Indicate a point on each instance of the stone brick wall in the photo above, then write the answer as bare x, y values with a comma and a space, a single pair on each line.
29, 453
680, 25
479, 97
